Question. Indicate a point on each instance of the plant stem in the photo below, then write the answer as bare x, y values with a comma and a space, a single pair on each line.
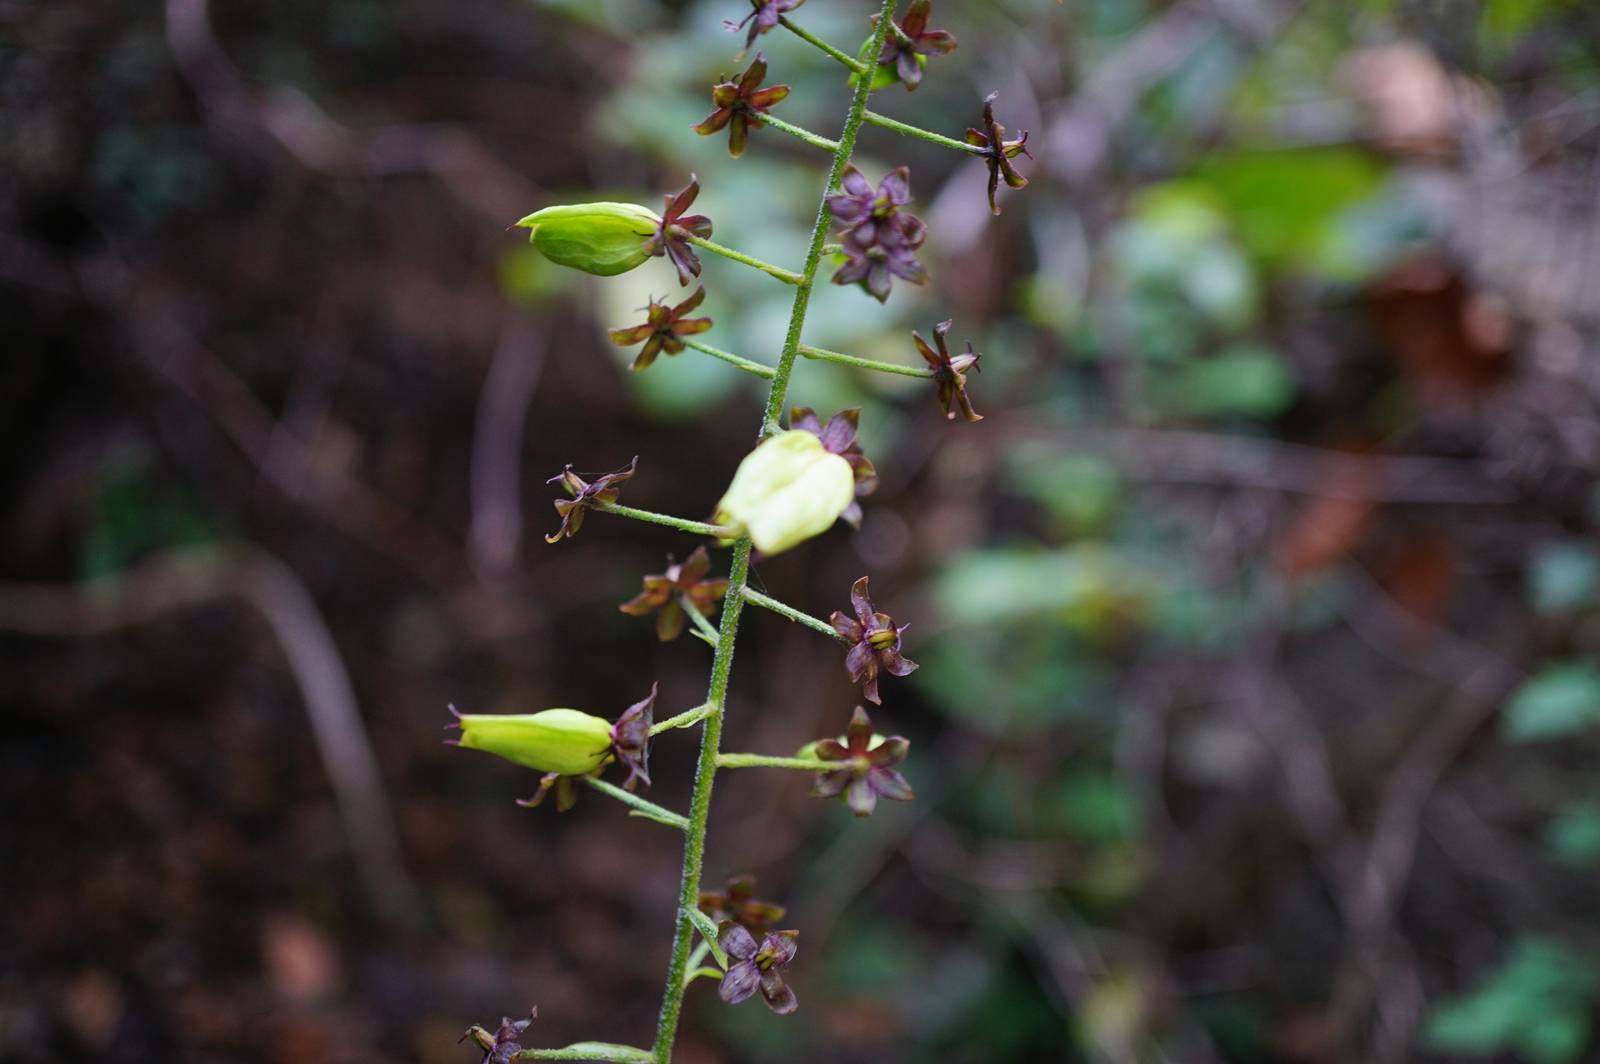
819, 232
682, 524
799, 764
683, 720
764, 372
800, 134
644, 808
906, 129
705, 627
864, 363
786, 276
707, 972
738, 576
817, 42
783, 609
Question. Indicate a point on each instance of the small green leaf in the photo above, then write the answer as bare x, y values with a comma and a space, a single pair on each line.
1561, 699
703, 924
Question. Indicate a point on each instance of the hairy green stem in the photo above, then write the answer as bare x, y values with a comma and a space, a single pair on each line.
800, 134
822, 45
683, 720
738, 576
906, 129
783, 609
764, 372
786, 276
799, 764
819, 234
682, 524
824, 355
643, 807
701, 622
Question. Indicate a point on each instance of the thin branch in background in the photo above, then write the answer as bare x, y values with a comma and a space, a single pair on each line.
495, 537
196, 576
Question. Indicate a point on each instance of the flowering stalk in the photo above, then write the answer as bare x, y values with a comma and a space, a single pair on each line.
797, 482
738, 577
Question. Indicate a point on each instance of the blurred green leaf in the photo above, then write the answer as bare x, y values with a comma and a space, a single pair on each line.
1536, 1002
1564, 576
1241, 380
1094, 807
1560, 699
1574, 837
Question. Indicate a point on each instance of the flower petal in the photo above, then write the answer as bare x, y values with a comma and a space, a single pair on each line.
896, 186
887, 783
831, 784
891, 751
855, 184
861, 798
738, 944
777, 994
740, 980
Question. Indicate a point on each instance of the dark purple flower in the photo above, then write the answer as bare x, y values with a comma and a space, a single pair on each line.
874, 267
914, 39
661, 594
738, 904
605, 489
950, 372
758, 967
500, 1047
866, 768
839, 437
630, 739
999, 152
861, 212
663, 330
740, 104
879, 241
670, 238
876, 643
763, 18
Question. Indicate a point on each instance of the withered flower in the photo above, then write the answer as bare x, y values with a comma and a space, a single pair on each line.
500, 1047
630, 739
605, 489
758, 967
663, 329
915, 40
763, 18
740, 104
861, 212
738, 904
866, 767
876, 643
999, 152
839, 437
661, 592
670, 238
950, 373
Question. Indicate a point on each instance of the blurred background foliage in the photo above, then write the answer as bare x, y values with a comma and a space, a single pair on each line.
1258, 710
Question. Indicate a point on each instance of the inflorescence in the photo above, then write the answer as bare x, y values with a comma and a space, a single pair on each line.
795, 484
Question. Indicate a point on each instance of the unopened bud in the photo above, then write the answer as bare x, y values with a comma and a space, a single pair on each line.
563, 741
787, 490
599, 238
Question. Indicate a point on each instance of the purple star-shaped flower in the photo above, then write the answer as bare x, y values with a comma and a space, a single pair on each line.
866, 767
875, 643
758, 967
671, 236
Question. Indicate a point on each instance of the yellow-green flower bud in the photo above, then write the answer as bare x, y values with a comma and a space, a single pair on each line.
600, 238
787, 490
563, 741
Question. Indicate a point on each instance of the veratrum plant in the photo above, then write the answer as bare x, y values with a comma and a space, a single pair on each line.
795, 484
